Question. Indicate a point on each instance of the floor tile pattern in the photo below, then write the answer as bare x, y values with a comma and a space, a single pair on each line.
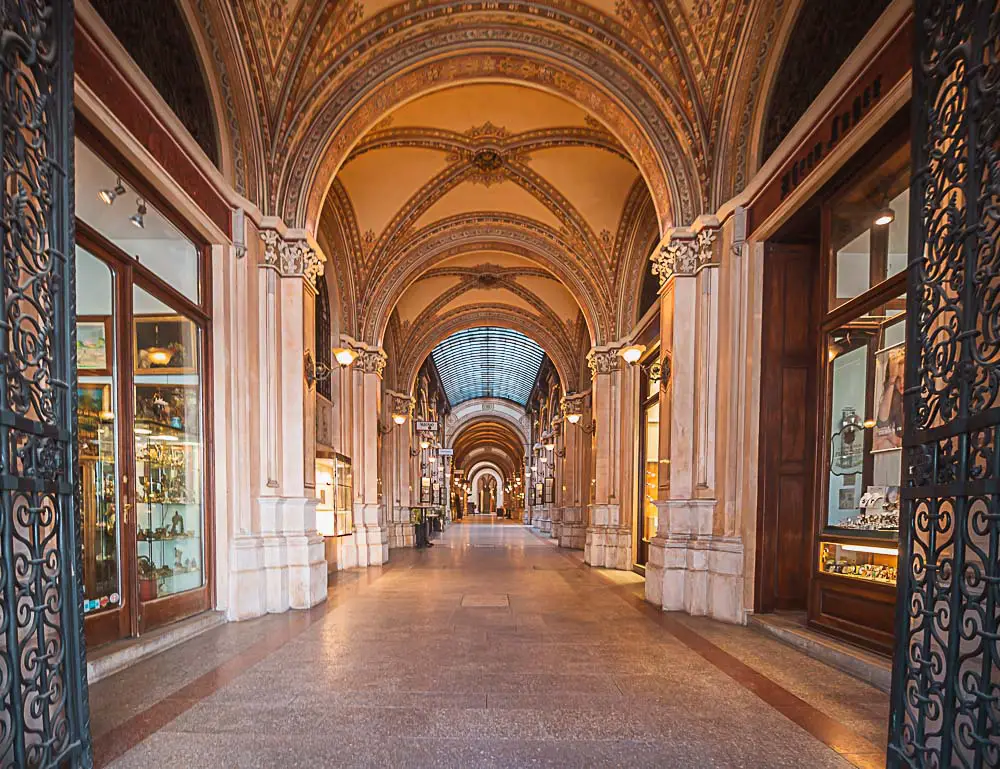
492, 649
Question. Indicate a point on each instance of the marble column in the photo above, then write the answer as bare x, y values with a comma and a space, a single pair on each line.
400, 438
695, 565
609, 535
573, 488
370, 534
278, 562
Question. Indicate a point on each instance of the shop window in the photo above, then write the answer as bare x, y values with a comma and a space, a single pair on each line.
323, 341
863, 337
109, 204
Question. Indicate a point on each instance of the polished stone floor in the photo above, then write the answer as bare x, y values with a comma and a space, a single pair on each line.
492, 649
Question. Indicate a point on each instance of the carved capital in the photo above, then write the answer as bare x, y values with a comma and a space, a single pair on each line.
370, 362
401, 403
603, 361
685, 254
573, 403
292, 258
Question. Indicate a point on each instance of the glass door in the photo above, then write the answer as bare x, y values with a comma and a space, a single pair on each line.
106, 597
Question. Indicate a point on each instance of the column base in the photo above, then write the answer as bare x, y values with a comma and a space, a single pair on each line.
371, 539
401, 534
284, 568
571, 532
609, 547
701, 575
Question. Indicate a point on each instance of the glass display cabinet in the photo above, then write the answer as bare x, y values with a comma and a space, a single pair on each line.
334, 487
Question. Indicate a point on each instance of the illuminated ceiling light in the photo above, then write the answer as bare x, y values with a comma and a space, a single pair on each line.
632, 353
138, 218
834, 349
399, 418
345, 357
574, 418
885, 216
108, 195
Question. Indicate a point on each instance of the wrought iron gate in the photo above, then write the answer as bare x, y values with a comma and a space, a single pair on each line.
946, 673
44, 719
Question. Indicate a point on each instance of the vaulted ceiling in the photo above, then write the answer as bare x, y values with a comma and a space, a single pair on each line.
467, 163
492, 441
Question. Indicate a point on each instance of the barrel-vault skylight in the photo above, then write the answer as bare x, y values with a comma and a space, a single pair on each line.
487, 362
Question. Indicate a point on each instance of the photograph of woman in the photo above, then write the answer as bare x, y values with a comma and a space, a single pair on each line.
888, 433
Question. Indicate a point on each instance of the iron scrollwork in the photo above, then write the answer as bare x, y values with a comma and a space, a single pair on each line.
44, 716
946, 673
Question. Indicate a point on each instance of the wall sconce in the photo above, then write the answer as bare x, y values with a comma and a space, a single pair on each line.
632, 353
345, 356
550, 445
314, 372
425, 444
399, 419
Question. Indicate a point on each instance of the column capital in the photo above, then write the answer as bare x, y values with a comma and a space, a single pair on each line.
291, 258
604, 360
401, 403
371, 362
685, 250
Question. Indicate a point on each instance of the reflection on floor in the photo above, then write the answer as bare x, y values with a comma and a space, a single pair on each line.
492, 649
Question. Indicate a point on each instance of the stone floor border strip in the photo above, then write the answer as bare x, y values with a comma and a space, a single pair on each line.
839, 738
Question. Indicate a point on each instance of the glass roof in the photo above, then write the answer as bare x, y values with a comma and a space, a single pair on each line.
487, 362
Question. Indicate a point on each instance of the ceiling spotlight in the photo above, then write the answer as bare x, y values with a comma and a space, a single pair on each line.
633, 352
140, 212
885, 216
108, 195
345, 356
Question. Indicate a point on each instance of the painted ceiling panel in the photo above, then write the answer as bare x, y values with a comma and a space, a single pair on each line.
514, 108
505, 197
380, 182
486, 296
595, 182
488, 362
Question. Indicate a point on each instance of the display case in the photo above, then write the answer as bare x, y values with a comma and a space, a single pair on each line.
334, 487
169, 545
99, 497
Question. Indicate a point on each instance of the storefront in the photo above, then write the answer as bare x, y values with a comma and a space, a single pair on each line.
649, 455
832, 354
144, 327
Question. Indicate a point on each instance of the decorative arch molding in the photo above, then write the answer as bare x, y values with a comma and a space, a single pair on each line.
473, 412
647, 124
497, 434
419, 346
469, 233
637, 238
340, 239
474, 482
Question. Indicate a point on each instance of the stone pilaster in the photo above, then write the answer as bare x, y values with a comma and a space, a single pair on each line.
371, 538
695, 564
400, 437
572, 490
609, 537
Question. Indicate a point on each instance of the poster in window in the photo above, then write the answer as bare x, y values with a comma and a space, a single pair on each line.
887, 434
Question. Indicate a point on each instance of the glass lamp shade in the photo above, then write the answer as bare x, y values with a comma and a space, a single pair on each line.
345, 357
399, 418
633, 352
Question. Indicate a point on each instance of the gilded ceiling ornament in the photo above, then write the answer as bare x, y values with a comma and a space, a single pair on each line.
291, 257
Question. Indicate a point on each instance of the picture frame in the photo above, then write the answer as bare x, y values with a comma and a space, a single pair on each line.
171, 405
93, 398
887, 405
94, 343
174, 333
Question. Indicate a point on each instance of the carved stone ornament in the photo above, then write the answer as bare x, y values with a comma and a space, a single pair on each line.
603, 361
370, 362
403, 404
291, 257
685, 255
573, 403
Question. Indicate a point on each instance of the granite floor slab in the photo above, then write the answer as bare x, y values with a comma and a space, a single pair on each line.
495, 649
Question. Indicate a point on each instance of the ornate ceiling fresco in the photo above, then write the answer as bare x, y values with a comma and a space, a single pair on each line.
503, 163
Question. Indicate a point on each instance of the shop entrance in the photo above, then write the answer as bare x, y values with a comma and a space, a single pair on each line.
142, 328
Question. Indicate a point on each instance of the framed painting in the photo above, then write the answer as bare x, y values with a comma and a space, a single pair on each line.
165, 344
93, 344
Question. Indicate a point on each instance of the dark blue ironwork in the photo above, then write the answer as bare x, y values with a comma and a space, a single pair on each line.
44, 717
946, 672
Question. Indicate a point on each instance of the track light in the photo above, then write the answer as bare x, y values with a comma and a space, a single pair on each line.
140, 212
108, 195
885, 216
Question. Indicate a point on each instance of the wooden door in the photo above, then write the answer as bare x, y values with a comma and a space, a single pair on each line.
787, 427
